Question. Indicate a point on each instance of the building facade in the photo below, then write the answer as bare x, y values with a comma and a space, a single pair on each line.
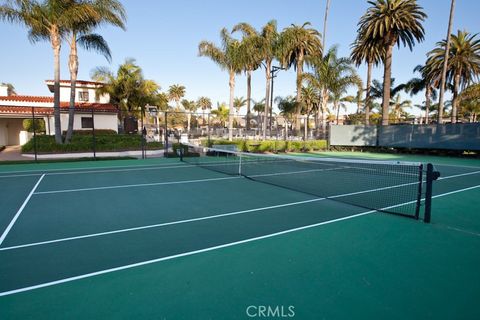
89, 109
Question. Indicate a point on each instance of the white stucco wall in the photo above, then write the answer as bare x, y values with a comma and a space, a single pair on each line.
102, 121
65, 95
9, 131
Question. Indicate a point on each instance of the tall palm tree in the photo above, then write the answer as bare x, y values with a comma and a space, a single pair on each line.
107, 12
364, 50
189, 106
265, 45
227, 57
287, 107
463, 63
390, 22
251, 59
296, 44
222, 113
325, 23
49, 20
426, 83
204, 103
310, 101
445, 63
176, 92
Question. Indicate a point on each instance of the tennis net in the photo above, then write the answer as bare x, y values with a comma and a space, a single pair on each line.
387, 186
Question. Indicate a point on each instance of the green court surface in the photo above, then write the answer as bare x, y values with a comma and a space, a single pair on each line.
161, 239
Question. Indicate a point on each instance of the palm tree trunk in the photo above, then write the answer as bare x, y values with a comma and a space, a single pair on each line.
324, 109
325, 25
189, 118
456, 85
249, 96
268, 66
445, 64
337, 108
299, 90
56, 45
230, 111
305, 125
369, 88
428, 93
387, 78
73, 66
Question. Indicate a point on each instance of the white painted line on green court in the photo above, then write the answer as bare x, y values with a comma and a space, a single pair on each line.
459, 175
163, 224
137, 185
456, 191
7, 230
129, 266
83, 171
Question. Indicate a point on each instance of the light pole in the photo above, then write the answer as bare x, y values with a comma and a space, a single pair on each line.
273, 74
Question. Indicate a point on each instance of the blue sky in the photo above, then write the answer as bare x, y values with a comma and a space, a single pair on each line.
163, 37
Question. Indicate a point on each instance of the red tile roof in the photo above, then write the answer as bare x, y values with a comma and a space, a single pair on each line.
79, 107
27, 98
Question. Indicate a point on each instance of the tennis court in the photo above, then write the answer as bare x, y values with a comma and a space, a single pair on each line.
160, 238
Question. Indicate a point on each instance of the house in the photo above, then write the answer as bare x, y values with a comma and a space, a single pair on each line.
15, 108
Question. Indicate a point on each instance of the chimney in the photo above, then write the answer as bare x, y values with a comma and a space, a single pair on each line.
4, 92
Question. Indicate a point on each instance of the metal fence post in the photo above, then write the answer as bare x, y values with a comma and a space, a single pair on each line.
94, 141
165, 152
34, 134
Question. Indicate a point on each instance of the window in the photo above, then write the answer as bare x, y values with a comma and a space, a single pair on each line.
83, 96
87, 123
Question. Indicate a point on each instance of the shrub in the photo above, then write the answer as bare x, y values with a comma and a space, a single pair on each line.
39, 125
89, 132
274, 145
84, 143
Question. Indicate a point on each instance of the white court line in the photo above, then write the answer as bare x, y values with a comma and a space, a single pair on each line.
129, 266
137, 185
163, 224
459, 175
7, 230
100, 171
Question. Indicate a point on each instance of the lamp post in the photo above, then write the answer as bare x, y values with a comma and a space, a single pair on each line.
273, 74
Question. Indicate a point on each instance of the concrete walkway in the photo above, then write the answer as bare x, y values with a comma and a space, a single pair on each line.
12, 153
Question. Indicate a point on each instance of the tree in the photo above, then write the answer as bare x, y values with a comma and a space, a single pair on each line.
469, 102
227, 57
49, 20
310, 102
445, 63
463, 63
390, 22
397, 108
189, 106
127, 88
365, 50
222, 113
425, 83
106, 11
204, 103
296, 44
175, 93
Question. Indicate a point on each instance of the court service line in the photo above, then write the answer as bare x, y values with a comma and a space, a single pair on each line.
10, 225
163, 224
137, 185
99, 171
226, 245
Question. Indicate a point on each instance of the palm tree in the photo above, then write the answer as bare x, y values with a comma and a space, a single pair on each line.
310, 102
287, 107
127, 89
227, 57
251, 56
222, 113
370, 52
108, 11
463, 63
296, 44
176, 92
189, 106
425, 83
325, 24
390, 22
49, 20
445, 63
264, 44
204, 103
397, 106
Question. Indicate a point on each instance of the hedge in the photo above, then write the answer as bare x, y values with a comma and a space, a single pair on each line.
83, 143
274, 145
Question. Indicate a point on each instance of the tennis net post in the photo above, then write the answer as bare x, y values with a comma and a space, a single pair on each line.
431, 176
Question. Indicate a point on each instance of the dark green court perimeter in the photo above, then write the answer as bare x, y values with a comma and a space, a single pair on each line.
371, 266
